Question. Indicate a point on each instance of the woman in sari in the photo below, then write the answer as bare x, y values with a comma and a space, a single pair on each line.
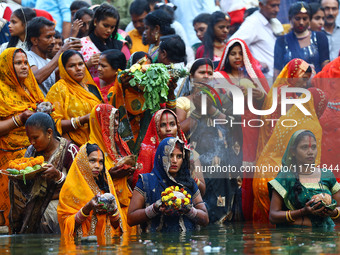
34, 202
297, 191
240, 68
328, 80
110, 62
79, 213
170, 168
104, 121
73, 97
295, 74
274, 150
18, 91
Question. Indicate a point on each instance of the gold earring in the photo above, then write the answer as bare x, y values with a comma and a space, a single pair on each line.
156, 36
49, 137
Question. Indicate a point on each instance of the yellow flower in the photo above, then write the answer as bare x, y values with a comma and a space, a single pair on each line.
170, 203
135, 67
189, 196
177, 188
185, 192
171, 195
186, 201
178, 201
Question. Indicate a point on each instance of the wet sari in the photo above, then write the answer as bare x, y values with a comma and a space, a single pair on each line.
294, 70
275, 148
150, 143
250, 134
13, 100
151, 185
328, 80
71, 100
103, 134
284, 184
79, 188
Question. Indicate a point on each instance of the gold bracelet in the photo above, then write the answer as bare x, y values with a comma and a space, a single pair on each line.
337, 216
115, 214
15, 122
78, 122
290, 216
81, 211
287, 219
18, 120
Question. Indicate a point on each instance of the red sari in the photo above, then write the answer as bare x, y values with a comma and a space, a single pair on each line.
150, 143
328, 81
250, 134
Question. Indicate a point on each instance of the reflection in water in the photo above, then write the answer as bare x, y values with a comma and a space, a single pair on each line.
227, 239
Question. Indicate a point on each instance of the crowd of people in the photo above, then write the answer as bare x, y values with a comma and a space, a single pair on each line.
97, 119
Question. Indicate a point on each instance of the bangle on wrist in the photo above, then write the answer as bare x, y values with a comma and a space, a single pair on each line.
61, 179
150, 211
74, 124
337, 215
15, 122
78, 122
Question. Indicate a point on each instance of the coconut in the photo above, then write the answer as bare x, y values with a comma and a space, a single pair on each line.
324, 197
109, 202
128, 160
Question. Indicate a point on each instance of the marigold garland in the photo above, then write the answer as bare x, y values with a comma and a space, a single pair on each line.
22, 163
174, 197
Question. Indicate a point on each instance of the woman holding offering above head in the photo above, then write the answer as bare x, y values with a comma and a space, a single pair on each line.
34, 203
170, 168
73, 97
18, 91
301, 43
303, 194
102, 36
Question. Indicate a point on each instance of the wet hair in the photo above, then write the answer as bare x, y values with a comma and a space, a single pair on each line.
227, 66
115, 58
139, 55
69, 53
138, 7
102, 12
183, 175
76, 5
24, 15
34, 28
295, 9
314, 8
174, 47
83, 11
101, 181
209, 35
297, 188
42, 121
202, 18
200, 62
162, 19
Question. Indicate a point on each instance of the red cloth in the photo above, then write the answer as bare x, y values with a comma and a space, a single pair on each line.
43, 13
237, 16
150, 143
250, 134
7, 13
328, 81
104, 90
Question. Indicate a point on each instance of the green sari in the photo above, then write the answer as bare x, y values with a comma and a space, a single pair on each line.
284, 185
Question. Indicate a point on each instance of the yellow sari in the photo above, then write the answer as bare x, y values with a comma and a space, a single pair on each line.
79, 188
294, 70
274, 150
71, 100
13, 100
103, 134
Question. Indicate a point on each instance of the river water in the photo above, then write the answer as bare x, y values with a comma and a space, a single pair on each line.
227, 239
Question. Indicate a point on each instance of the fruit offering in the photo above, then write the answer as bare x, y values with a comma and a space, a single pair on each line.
175, 198
109, 202
127, 162
26, 164
325, 199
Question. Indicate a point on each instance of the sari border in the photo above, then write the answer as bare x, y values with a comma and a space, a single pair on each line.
282, 192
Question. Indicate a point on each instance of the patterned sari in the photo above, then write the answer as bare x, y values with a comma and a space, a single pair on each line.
71, 100
274, 150
250, 134
328, 80
13, 100
284, 184
79, 188
150, 143
288, 77
103, 134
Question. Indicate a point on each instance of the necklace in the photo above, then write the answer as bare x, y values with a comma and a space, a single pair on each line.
219, 46
303, 35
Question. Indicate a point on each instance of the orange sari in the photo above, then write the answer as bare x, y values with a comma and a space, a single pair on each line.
79, 188
275, 148
13, 100
71, 100
294, 70
103, 134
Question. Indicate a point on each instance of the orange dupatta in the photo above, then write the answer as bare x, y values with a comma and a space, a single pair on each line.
294, 70
71, 100
103, 134
274, 150
79, 188
13, 100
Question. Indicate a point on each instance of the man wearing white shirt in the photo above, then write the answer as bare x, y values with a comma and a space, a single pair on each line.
259, 34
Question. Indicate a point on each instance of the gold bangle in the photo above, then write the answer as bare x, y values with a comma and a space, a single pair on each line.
115, 214
198, 182
337, 216
81, 211
78, 122
287, 219
18, 120
290, 216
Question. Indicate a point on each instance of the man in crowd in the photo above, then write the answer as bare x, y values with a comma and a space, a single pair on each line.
331, 29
